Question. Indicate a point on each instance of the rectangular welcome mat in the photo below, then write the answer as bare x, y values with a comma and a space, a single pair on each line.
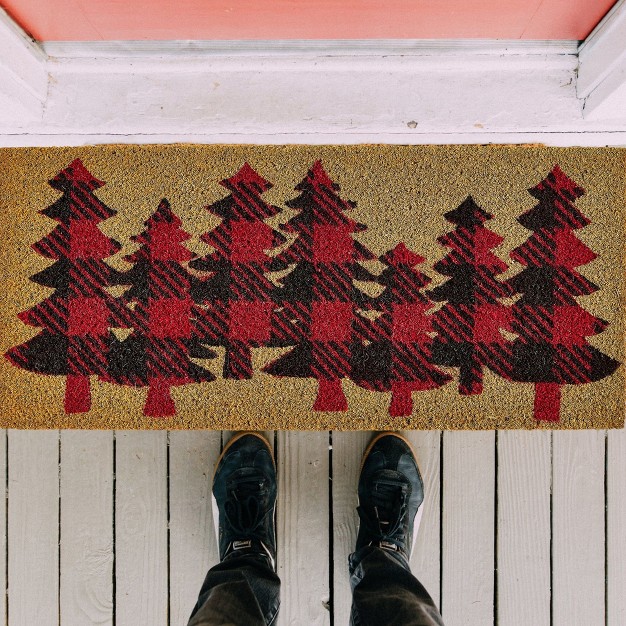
312, 287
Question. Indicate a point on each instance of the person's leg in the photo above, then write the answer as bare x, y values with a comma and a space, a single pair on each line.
243, 589
391, 491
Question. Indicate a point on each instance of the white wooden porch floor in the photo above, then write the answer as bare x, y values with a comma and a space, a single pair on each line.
519, 529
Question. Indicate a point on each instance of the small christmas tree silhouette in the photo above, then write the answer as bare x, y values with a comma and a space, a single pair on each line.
397, 355
551, 349
318, 301
237, 294
468, 325
158, 352
76, 318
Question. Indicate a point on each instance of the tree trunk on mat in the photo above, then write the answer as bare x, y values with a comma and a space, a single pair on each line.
159, 402
77, 394
547, 402
401, 400
330, 396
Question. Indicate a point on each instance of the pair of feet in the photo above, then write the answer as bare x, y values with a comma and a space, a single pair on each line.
390, 491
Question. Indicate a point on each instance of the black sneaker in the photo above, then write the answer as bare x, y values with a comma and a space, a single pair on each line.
391, 492
244, 499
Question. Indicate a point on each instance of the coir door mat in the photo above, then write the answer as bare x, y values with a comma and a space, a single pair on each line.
312, 287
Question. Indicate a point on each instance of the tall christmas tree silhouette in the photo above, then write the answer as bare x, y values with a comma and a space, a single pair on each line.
237, 294
318, 301
551, 349
76, 318
468, 325
158, 352
397, 354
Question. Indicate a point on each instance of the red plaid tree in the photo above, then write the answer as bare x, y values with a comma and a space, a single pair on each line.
551, 349
318, 302
397, 354
76, 318
158, 352
238, 293
468, 325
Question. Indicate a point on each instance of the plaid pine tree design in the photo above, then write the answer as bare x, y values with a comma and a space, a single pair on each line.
468, 324
396, 352
318, 300
235, 302
551, 349
158, 352
77, 318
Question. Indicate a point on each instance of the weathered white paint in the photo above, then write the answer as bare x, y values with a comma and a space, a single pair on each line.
23, 76
70, 50
314, 92
348, 448
141, 550
602, 67
3, 521
523, 549
302, 94
193, 545
578, 564
468, 545
616, 528
302, 525
426, 555
33, 528
86, 548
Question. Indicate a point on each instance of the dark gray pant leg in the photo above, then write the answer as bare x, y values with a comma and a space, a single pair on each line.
240, 591
385, 593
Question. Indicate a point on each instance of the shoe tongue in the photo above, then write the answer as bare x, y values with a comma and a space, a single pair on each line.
244, 506
389, 489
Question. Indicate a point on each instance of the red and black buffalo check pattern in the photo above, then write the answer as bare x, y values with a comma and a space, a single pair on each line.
397, 354
551, 349
77, 317
469, 323
318, 300
527, 329
157, 354
235, 300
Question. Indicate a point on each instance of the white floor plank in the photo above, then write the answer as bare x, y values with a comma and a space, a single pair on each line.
523, 550
578, 528
33, 528
348, 448
3, 528
616, 528
141, 553
303, 529
193, 545
468, 554
426, 551
86, 581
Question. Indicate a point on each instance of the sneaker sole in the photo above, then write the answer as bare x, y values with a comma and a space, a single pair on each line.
418, 516
214, 508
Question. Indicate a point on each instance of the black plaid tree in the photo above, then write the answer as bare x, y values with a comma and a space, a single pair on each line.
468, 325
396, 354
76, 318
318, 301
551, 349
237, 295
157, 354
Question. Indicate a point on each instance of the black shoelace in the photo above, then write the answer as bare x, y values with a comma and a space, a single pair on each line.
244, 511
384, 518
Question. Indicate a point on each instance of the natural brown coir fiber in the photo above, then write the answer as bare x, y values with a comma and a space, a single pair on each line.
312, 287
